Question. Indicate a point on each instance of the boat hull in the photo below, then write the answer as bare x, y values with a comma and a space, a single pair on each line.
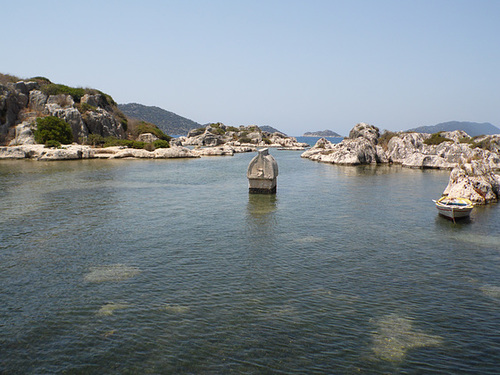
454, 208
454, 212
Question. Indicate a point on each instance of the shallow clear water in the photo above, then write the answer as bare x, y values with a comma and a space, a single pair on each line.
170, 266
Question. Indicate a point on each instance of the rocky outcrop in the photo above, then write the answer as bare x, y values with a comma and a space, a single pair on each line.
69, 114
23, 134
475, 181
360, 148
410, 150
214, 135
364, 146
99, 121
225, 150
13, 99
22, 102
74, 152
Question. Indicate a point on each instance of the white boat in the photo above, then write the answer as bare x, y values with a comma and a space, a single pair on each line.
454, 208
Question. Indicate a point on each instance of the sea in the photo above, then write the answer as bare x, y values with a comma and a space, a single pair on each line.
172, 267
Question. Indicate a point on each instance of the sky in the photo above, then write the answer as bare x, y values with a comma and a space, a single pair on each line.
295, 65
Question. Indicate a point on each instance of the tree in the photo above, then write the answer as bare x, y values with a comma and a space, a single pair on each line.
52, 128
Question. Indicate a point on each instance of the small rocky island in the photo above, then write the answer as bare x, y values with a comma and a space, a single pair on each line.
322, 133
473, 160
218, 134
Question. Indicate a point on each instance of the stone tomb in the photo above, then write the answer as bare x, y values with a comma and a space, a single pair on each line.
262, 173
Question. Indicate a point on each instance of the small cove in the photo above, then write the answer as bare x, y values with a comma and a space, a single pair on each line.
170, 266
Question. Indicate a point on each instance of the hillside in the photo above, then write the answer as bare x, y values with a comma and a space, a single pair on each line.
169, 122
323, 133
471, 128
270, 129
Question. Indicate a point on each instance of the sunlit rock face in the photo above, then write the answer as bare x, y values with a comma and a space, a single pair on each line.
113, 272
474, 181
394, 335
360, 148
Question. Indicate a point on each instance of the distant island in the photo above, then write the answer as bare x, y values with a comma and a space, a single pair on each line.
324, 133
471, 128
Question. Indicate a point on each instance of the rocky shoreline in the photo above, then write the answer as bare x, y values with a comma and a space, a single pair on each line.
473, 161
76, 152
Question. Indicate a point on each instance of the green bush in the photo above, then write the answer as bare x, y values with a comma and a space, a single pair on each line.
245, 140
161, 143
385, 138
57, 89
436, 139
146, 127
52, 128
85, 107
217, 131
52, 143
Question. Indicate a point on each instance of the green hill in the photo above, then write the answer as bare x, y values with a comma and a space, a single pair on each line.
169, 122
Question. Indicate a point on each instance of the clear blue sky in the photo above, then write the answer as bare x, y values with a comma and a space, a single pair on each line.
295, 65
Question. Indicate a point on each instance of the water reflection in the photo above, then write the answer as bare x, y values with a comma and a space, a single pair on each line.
261, 207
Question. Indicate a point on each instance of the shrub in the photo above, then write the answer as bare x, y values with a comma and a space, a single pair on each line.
385, 138
245, 140
52, 128
161, 143
85, 107
217, 131
94, 140
52, 143
146, 127
57, 89
436, 139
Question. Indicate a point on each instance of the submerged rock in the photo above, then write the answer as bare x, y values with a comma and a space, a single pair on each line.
395, 335
113, 272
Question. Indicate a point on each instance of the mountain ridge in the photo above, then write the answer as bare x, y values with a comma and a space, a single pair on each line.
168, 122
471, 128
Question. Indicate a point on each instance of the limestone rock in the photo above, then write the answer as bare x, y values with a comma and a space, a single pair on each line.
174, 152
24, 134
474, 181
370, 132
214, 151
102, 122
12, 102
351, 151
37, 100
97, 100
62, 100
147, 137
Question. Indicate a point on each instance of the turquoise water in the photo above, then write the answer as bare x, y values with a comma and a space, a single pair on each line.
170, 266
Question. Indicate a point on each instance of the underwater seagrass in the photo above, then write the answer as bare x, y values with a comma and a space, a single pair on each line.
113, 272
395, 335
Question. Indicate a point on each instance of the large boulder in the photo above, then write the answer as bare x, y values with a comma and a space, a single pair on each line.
474, 181
24, 134
12, 101
100, 121
369, 132
37, 100
96, 100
